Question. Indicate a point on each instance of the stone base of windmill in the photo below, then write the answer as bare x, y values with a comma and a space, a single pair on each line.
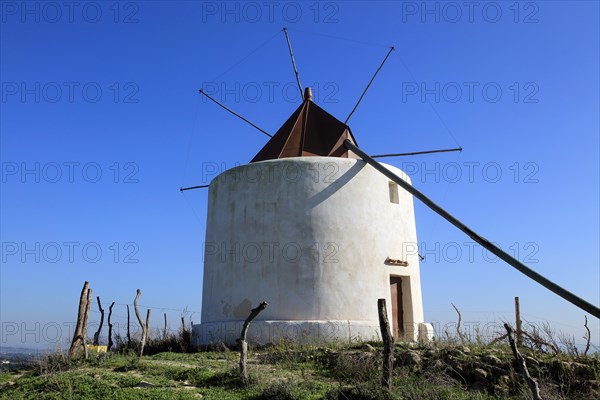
301, 332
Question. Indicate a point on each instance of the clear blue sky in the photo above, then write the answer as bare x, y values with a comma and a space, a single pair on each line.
111, 89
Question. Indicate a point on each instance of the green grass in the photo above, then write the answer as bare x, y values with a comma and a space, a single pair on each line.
284, 372
5, 377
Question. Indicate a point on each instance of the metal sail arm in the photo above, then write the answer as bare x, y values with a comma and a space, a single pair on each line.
287, 38
492, 248
369, 85
183, 189
234, 113
417, 153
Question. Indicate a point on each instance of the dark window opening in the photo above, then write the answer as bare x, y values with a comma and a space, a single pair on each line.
393, 188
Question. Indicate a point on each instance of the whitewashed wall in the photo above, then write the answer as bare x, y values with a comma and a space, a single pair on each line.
310, 236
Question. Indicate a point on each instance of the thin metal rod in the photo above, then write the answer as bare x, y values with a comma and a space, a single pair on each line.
236, 114
183, 189
293, 63
369, 85
548, 284
416, 153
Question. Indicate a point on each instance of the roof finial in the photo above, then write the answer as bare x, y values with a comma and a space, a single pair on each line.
308, 94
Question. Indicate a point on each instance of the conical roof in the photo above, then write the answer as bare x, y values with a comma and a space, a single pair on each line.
310, 131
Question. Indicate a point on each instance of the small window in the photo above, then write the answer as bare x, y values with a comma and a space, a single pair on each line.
393, 192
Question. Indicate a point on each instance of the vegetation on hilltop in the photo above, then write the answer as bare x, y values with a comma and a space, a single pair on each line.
436, 370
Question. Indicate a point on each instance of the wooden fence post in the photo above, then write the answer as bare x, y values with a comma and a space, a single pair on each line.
110, 342
533, 386
128, 331
86, 316
139, 318
165, 328
388, 345
80, 316
458, 331
244, 344
97, 334
588, 336
519, 329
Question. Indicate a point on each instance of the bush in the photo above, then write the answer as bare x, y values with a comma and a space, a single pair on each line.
53, 363
360, 366
285, 390
131, 363
362, 391
179, 342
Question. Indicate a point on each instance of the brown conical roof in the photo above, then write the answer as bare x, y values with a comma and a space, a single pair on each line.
310, 131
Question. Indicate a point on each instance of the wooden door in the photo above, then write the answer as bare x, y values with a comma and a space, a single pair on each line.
397, 312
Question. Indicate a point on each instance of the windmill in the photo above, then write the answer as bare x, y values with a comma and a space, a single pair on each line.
318, 228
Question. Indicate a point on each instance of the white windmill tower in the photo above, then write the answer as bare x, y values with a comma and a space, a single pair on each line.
320, 230
314, 231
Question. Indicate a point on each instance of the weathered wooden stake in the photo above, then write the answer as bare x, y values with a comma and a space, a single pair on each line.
186, 334
110, 341
388, 345
165, 329
139, 318
244, 344
97, 334
533, 386
519, 329
146, 330
588, 336
128, 331
460, 335
88, 306
79, 325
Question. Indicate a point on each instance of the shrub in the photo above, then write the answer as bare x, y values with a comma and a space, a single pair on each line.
53, 363
361, 391
284, 390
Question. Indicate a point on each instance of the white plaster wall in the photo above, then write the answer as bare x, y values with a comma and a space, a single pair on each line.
309, 235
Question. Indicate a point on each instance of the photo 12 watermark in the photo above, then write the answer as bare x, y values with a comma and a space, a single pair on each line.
253, 12
69, 252
268, 92
490, 172
89, 92
470, 12
470, 92
324, 172
467, 252
71, 172
265, 252
58, 333
54, 12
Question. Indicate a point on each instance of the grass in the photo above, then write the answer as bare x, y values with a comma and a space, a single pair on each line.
289, 372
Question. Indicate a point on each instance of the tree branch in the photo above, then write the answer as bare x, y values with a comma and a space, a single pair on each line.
533, 386
97, 334
110, 342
